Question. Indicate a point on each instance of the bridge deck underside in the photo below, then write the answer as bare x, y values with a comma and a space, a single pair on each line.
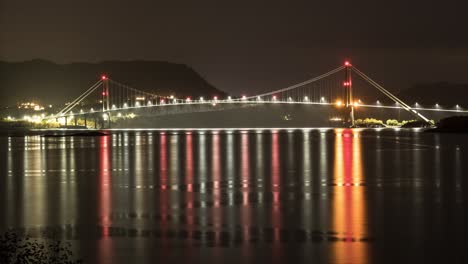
281, 115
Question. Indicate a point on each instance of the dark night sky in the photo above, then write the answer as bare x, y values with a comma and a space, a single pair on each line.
246, 47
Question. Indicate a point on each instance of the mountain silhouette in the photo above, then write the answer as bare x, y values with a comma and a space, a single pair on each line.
443, 93
52, 83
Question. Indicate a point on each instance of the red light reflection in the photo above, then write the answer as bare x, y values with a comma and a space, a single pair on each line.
275, 181
216, 174
105, 198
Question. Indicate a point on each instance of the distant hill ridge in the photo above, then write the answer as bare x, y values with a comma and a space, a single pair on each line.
54, 83
444, 93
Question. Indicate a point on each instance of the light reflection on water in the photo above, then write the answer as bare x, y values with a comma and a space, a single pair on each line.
331, 196
349, 219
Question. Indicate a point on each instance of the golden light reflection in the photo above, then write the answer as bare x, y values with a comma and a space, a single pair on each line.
10, 205
230, 161
306, 185
35, 197
137, 175
245, 175
260, 169
202, 177
174, 176
216, 177
348, 207
231, 215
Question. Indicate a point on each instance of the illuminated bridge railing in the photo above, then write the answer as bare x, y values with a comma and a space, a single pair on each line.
219, 103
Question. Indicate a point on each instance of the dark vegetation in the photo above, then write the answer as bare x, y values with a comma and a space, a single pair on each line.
416, 124
369, 122
376, 123
18, 249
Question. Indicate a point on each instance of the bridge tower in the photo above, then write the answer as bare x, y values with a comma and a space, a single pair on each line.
105, 93
105, 100
349, 102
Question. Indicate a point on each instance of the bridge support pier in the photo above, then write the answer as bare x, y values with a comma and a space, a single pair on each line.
108, 120
349, 103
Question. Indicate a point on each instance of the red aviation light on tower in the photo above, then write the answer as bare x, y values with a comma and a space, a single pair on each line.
103, 77
347, 64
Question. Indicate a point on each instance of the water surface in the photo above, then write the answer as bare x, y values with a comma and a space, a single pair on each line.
304, 195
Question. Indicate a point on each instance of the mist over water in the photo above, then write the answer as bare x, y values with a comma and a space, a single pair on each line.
306, 195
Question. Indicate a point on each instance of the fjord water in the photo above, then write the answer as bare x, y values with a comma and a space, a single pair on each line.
260, 196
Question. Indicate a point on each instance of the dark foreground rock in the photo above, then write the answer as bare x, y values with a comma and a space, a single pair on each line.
454, 124
19, 249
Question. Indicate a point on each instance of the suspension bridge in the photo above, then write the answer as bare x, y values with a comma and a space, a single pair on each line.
346, 89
